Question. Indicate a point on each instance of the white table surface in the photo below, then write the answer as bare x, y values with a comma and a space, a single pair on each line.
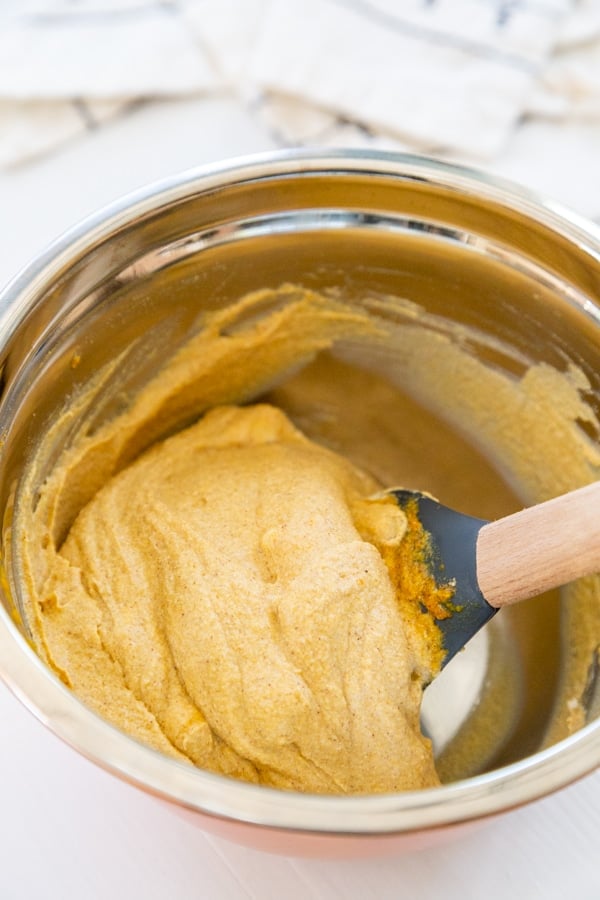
69, 830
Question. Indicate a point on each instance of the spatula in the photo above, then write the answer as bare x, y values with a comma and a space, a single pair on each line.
494, 564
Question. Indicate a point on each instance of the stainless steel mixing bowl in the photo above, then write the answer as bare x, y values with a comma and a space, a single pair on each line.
463, 246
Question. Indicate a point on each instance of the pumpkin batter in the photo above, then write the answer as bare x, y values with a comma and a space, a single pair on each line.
225, 576
224, 597
219, 591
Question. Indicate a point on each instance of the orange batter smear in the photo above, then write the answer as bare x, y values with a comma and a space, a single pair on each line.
422, 600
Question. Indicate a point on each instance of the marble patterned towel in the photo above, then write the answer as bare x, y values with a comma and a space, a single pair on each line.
434, 76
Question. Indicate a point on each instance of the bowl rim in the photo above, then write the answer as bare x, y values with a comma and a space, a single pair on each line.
215, 795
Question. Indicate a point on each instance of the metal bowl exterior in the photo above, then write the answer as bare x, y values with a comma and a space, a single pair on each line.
244, 202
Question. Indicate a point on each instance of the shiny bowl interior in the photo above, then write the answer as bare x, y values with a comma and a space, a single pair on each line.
462, 246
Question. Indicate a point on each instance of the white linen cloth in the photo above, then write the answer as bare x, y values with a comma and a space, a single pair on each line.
437, 76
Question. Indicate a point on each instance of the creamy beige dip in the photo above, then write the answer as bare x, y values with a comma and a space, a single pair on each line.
211, 580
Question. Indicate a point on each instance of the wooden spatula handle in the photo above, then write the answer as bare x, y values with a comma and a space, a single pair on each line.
540, 548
